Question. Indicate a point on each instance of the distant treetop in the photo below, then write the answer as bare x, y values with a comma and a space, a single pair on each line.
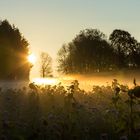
90, 51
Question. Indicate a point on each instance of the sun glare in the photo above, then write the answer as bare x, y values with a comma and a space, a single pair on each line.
31, 58
45, 81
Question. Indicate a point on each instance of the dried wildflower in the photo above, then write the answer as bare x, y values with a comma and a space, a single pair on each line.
33, 86
136, 91
117, 90
134, 82
123, 138
104, 136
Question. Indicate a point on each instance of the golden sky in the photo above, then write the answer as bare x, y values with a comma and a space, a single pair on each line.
47, 24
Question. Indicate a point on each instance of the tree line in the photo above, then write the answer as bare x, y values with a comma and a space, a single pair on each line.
90, 51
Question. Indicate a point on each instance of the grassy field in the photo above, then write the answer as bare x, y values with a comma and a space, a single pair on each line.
58, 113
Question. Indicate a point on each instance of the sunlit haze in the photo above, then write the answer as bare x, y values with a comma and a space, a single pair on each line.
32, 58
47, 24
45, 81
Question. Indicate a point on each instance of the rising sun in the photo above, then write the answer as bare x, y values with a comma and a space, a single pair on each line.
31, 58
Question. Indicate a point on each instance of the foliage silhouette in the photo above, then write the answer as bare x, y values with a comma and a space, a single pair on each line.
45, 65
88, 52
13, 53
127, 49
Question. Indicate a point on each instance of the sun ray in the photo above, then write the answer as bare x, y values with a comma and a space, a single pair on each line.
31, 58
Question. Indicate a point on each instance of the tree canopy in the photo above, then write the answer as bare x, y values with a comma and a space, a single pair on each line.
13, 53
91, 51
88, 52
127, 48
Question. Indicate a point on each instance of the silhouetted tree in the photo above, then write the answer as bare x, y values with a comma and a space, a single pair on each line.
46, 65
126, 47
13, 53
88, 52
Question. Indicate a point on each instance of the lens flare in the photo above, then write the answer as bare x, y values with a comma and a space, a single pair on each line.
31, 58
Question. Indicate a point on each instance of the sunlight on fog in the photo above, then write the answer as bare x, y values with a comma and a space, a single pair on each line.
45, 81
86, 82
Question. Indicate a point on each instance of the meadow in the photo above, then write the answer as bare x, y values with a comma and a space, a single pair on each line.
55, 112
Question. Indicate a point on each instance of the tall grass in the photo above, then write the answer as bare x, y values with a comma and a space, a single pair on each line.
57, 113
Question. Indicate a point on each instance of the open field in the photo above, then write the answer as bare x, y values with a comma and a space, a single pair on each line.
59, 113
